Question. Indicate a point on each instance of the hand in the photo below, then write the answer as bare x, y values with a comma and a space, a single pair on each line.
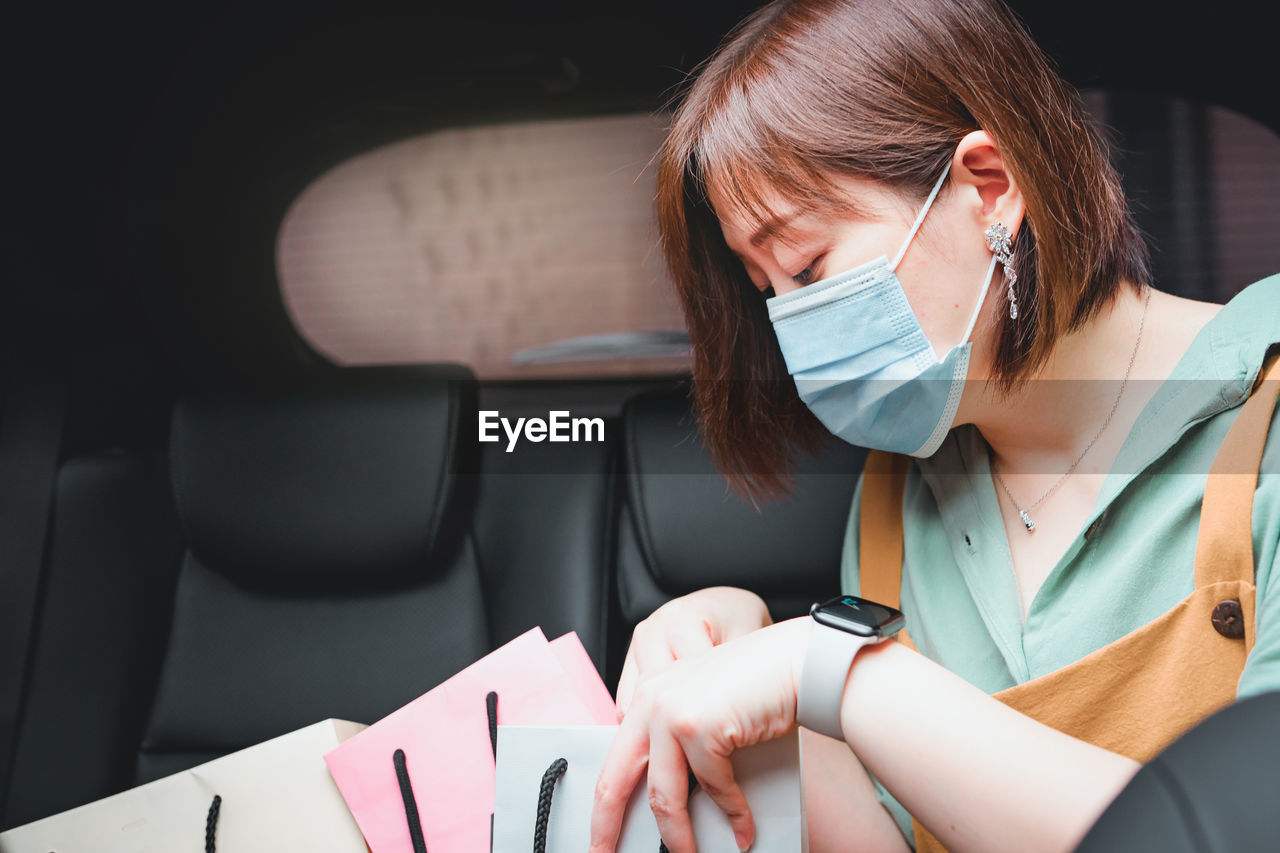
687, 626
692, 714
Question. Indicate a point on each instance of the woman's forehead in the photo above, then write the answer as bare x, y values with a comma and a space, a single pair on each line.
755, 214
752, 223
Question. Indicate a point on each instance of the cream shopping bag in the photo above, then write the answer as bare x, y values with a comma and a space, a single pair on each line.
276, 796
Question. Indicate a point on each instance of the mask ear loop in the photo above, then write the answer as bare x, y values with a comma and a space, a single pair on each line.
982, 297
915, 226
924, 211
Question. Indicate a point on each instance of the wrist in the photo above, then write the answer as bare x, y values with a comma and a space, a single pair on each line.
792, 639
873, 671
801, 629
841, 629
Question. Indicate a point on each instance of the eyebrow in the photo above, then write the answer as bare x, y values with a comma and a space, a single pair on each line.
772, 227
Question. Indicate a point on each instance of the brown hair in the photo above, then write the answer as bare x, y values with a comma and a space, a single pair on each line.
803, 90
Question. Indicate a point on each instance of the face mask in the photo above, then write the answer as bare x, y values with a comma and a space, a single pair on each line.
861, 361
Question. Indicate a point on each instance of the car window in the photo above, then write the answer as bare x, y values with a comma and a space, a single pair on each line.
523, 250
529, 250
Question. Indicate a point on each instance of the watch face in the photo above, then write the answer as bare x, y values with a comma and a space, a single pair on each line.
858, 616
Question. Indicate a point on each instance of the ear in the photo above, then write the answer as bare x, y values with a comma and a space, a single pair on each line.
985, 184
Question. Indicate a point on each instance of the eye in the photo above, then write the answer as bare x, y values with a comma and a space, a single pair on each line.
809, 274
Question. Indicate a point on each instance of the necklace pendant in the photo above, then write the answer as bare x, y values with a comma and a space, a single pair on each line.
1026, 520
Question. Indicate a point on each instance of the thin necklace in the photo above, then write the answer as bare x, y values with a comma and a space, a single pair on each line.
1025, 514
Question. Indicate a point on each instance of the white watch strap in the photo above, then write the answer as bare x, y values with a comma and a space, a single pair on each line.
826, 668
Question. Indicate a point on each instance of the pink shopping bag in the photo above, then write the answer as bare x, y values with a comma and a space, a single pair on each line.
423, 777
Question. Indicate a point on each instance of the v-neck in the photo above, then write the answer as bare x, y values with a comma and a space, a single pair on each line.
1211, 375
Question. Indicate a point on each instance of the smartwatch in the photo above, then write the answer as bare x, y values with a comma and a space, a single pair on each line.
841, 626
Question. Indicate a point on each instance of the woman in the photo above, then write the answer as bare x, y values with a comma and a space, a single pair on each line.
891, 220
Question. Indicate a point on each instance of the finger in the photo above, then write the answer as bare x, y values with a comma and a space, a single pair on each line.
624, 764
669, 790
626, 683
691, 640
714, 772
653, 653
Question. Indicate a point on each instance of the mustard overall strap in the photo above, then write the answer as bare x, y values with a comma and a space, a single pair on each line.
880, 527
1224, 547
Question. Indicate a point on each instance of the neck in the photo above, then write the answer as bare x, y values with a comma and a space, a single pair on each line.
1045, 425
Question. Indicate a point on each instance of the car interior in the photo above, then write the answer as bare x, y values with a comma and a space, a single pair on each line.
267, 265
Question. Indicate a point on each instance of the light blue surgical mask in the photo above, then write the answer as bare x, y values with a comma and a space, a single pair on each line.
861, 361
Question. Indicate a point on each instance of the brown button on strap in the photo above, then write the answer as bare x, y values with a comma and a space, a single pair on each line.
1228, 619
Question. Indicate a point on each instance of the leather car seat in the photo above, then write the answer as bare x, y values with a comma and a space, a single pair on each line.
333, 550
327, 570
682, 529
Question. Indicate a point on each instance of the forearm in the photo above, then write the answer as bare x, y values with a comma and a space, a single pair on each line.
976, 773
841, 806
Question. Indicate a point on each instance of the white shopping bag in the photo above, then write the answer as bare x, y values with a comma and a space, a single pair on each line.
276, 796
769, 773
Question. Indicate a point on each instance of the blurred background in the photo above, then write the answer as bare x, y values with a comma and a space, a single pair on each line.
254, 197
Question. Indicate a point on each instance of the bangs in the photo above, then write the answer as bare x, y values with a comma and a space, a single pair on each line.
752, 167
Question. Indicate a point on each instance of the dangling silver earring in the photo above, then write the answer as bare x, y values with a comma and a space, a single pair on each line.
1000, 241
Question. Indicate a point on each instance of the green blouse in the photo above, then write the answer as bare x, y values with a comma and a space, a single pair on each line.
1131, 560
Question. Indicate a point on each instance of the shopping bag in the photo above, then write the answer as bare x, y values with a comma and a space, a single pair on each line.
422, 777
275, 796
546, 790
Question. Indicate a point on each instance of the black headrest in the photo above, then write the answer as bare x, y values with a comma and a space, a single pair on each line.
1211, 790
690, 531
349, 478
